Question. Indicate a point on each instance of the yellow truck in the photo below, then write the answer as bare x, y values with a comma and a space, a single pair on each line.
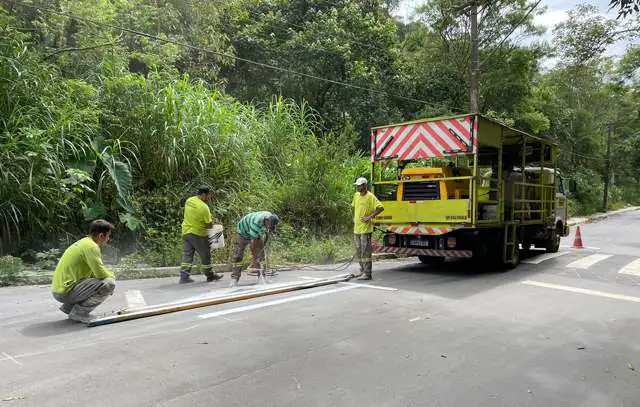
466, 186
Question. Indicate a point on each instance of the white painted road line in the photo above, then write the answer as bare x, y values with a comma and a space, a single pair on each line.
11, 358
583, 291
542, 257
632, 268
588, 261
585, 247
376, 287
134, 299
275, 302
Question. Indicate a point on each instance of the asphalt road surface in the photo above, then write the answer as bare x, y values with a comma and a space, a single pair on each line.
556, 331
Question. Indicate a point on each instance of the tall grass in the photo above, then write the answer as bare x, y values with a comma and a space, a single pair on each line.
44, 123
60, 140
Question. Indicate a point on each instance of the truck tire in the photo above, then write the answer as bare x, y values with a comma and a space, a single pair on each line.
553, 242
433, 261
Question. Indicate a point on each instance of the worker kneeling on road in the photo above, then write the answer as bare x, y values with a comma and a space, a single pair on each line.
81, 282
195, 238
253, 229
366, 207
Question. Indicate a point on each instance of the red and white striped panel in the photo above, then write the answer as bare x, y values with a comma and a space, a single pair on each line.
422, 252
425, 140
419, 230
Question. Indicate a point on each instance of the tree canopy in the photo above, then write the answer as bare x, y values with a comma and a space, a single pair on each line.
118, 108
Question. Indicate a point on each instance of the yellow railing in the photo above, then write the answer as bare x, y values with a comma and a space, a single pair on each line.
534, 203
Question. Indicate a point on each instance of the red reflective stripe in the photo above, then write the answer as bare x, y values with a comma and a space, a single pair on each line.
396, 133
441, 124
382, 138
420, 139
373, 145
404, 140
445, 146
466, 131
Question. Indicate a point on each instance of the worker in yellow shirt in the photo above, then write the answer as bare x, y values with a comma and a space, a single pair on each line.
195, 226
365, 207
81, 282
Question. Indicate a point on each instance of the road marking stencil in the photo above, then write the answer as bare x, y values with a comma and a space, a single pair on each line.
542, 257
632, 268
588, 261
583, 291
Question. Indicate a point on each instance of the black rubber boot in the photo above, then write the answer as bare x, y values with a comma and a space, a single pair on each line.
213, 277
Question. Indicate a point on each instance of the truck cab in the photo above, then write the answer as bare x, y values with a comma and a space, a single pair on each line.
466, 186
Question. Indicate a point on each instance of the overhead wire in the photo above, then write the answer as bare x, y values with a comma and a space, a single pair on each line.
221, 54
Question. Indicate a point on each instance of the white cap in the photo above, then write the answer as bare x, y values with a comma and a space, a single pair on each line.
360, 181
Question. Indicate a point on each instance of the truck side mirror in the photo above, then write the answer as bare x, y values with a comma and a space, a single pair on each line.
573, 187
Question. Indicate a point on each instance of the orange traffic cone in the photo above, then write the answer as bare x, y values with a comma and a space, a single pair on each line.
577, 242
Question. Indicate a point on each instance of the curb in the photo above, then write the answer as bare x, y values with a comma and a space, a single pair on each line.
600, 215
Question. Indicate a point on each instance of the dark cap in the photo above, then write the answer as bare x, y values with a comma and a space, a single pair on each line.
273, 222
204, 190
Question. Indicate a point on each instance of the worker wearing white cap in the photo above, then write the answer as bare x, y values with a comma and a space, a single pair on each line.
365, 207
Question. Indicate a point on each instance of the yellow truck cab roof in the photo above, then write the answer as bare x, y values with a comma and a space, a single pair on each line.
423, 171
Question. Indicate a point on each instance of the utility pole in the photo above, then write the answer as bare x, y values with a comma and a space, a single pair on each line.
473, 66
607, 168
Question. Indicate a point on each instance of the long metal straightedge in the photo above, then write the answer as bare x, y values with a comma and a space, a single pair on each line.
176, 307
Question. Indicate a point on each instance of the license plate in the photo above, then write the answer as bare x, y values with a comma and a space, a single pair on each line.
418, 242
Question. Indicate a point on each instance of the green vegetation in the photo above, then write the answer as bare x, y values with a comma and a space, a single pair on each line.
98, 121
10, 270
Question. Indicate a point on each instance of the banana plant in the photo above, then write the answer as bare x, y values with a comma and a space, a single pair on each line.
107, 165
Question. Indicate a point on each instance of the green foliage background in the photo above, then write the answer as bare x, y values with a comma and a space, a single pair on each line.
100, 122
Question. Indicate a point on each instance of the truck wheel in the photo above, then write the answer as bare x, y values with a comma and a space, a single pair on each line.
553, 242
433, 261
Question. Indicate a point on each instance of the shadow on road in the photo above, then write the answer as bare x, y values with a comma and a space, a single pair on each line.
51, 328
455, 279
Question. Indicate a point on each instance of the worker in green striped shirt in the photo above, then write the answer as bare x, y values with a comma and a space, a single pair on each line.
253, 230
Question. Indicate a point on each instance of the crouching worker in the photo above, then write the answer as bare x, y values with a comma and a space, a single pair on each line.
254, 230
81, 282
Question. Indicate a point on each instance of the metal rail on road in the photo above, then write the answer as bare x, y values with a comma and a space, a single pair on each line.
161, 309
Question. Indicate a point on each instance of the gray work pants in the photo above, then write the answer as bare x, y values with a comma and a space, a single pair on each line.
363, 252
87, 294
191, 245
239, 245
